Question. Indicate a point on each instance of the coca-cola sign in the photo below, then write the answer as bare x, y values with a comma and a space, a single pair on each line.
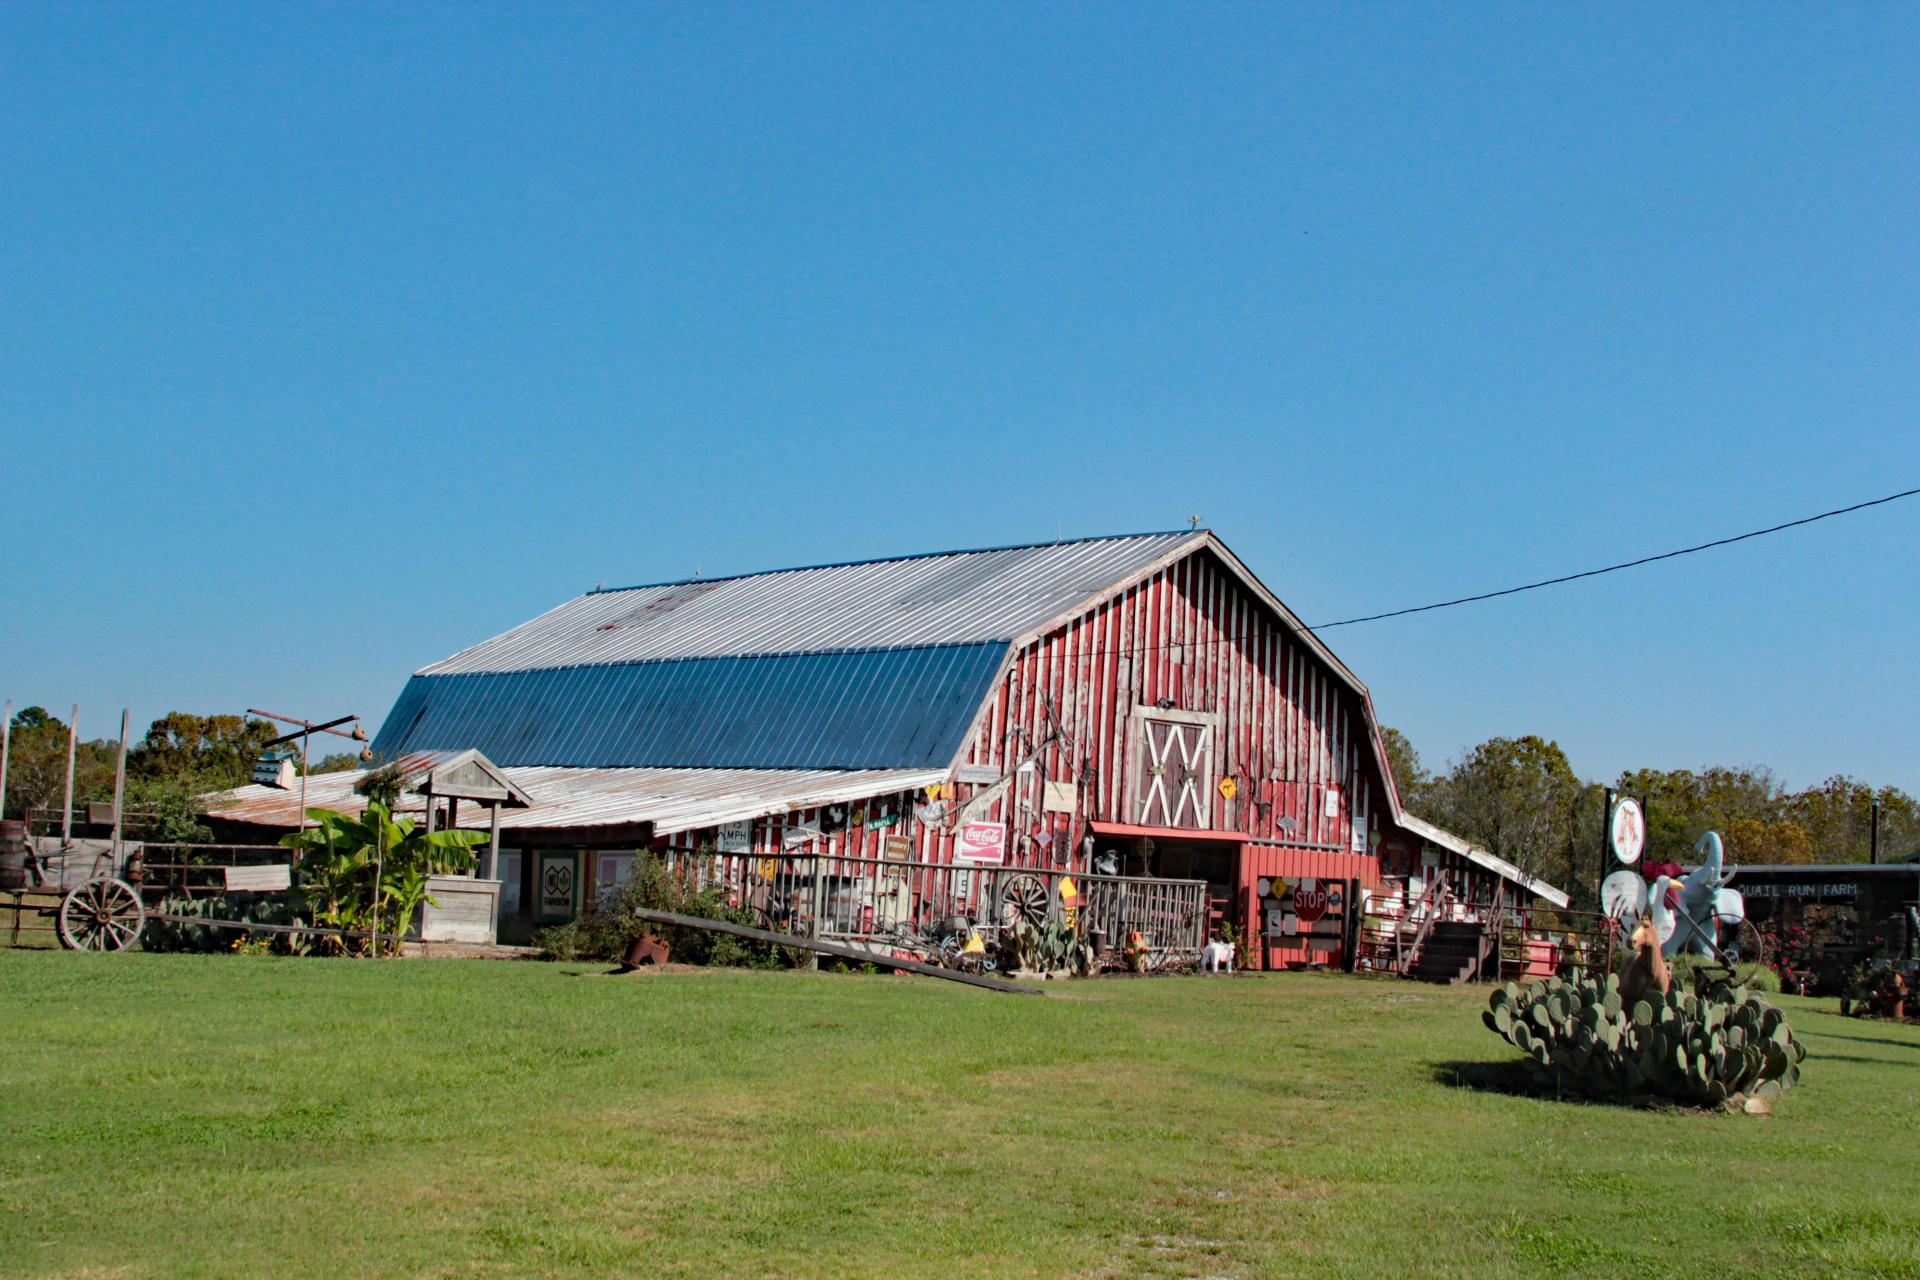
981, 842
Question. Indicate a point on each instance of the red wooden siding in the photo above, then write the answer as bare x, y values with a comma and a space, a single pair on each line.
1286, 729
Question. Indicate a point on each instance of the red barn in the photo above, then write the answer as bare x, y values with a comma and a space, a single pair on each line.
1132, 731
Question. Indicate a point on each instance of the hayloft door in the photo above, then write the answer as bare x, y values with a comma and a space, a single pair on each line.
1175, 780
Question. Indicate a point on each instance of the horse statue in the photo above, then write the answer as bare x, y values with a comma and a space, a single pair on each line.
1647, 971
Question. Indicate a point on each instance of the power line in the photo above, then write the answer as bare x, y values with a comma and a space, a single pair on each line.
1615, 568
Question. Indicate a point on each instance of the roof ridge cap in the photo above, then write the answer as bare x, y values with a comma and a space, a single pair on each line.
920, 555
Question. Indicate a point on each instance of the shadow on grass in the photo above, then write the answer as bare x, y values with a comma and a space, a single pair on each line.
1514, 1079
1829, 1035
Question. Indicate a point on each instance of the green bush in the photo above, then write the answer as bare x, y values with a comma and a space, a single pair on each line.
605, 929
254, 908
1717, 1044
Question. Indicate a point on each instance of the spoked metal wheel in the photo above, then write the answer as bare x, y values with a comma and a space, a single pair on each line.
1025, 898
103, 914
1746, 951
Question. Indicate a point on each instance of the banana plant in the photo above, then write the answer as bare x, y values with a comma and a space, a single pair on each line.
369, 872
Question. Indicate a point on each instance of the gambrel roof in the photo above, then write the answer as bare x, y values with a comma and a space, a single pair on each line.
880, 664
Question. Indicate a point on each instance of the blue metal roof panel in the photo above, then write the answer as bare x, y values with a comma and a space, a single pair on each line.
867, 709
959, 597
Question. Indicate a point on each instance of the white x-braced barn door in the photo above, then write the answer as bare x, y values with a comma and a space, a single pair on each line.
1175, 780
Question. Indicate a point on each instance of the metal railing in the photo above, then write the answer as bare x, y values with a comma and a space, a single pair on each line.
1517, 942
1540, 942
907, 905
1427, 912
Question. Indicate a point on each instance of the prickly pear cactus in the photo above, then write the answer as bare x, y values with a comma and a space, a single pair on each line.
1051, 947
1724, 1044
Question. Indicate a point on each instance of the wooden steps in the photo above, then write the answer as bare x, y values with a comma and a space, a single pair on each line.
1451, 953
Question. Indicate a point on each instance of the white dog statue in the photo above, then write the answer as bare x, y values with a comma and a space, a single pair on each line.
1217, 957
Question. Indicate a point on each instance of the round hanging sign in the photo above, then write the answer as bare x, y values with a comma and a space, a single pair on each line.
1623, 896
1627, 830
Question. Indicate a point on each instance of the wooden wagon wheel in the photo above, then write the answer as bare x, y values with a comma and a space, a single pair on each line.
102, 914
1026, 898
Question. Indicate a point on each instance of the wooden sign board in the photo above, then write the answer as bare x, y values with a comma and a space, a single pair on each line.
271, 878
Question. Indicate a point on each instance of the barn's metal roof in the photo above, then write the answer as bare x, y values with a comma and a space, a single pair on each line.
959, 597
876, 665
673, 800
878, 709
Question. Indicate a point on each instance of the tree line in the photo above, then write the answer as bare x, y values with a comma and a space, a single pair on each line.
182, 756
1522, 801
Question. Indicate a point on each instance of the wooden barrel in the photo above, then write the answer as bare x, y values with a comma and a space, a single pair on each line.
13, 854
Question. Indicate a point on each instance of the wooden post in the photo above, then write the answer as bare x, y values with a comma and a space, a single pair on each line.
66, 813
119, 790
493, 844
6, 750
305, 739
1606, 837
493, 869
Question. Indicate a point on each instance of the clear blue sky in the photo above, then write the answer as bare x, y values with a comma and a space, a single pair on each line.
334, 339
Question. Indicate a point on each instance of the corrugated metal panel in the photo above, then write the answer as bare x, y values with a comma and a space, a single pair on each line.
672, 799
955, 598
884, 709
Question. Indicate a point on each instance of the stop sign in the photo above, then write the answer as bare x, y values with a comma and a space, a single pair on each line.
1310, 900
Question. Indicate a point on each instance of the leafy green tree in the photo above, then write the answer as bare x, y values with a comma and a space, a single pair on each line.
1762, 822
1410, 777
1515, 797
1838, 818
217, 751
1519, 798
37, 765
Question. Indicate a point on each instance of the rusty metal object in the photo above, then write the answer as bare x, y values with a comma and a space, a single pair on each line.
645, 949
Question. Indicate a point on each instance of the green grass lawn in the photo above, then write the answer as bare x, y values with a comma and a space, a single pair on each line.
240, 1117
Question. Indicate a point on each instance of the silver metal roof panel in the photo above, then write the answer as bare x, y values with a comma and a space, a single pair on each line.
956, 597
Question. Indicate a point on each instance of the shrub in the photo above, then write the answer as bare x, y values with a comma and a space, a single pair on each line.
254, 908
607, 926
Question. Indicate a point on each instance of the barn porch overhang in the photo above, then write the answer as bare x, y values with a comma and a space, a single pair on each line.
1451, 843
592, 804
